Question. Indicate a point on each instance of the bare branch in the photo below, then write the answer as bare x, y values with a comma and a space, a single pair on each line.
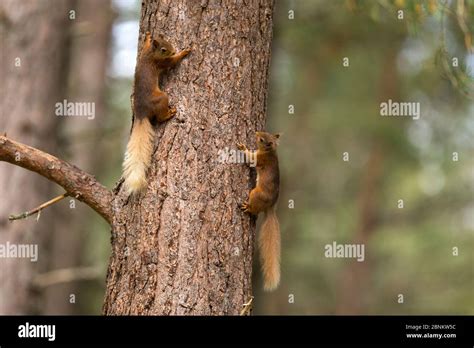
66, 275
76, 182
37, 209
247, 307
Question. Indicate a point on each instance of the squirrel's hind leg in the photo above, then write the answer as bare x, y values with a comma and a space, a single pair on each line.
161, 108
255, 204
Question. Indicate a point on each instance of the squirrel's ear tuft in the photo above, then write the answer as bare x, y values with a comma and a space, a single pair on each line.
277, 137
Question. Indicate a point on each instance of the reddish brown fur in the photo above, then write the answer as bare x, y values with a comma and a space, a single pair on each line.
263, 198
150, 104
156, 57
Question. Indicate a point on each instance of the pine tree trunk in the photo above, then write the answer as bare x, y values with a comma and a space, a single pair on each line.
184, 246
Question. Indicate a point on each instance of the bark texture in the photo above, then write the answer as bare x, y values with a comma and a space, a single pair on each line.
184, 246
33, 48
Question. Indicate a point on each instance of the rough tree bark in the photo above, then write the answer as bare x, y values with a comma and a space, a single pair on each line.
184, 246
33, 48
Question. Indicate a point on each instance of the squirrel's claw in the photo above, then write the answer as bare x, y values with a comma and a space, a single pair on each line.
245, 207
172, 110
241, 147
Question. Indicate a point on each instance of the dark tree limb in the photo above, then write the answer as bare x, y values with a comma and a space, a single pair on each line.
76, 182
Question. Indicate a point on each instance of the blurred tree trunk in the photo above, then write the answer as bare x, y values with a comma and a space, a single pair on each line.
87, 83
356, 279
33, 55
184, 246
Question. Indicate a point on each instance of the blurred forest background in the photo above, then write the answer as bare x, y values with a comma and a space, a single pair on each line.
408, 251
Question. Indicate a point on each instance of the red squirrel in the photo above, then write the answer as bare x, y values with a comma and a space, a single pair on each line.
263, 198
150, 104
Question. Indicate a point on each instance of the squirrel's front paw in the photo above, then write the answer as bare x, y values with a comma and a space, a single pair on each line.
184, 53
245, 207
172, 111
241, 147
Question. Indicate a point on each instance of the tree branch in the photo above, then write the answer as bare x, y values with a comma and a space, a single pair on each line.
66, 275
247, 307
37, 209
76, 182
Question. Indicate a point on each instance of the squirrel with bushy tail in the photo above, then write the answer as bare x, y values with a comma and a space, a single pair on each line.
150, 105
263, 199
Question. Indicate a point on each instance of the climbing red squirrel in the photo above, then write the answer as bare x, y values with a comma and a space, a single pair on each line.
150, 104
263, 198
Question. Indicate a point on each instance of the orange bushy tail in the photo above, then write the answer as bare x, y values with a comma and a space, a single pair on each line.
269, 245
138, 155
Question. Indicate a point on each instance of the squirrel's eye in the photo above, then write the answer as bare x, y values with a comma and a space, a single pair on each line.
163, 50
261, 140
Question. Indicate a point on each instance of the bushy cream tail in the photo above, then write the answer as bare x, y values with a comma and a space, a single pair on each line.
269, 245
138, 155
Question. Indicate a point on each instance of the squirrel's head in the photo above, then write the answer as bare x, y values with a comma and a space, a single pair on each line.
267, 141
161, 48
